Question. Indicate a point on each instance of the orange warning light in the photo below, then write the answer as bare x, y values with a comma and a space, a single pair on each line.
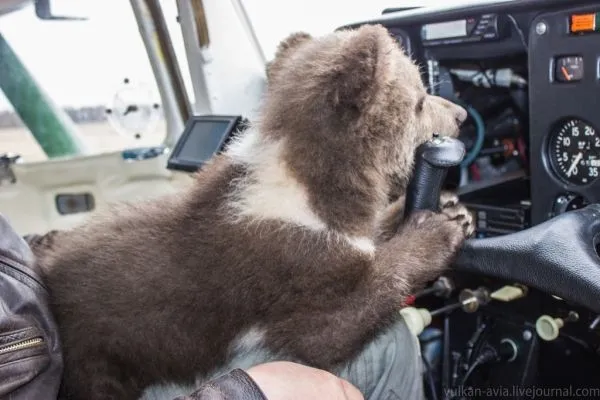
583, 23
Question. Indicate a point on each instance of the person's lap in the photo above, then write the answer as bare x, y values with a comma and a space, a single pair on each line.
388, 368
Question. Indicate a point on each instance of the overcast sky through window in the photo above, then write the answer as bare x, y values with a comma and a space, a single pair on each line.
81, 63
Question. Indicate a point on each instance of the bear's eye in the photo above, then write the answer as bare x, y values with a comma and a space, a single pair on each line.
420, 104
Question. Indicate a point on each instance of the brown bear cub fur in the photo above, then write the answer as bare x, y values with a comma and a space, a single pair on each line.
282, 246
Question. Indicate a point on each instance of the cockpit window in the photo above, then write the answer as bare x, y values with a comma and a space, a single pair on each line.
272, 21
86, 86
72, 84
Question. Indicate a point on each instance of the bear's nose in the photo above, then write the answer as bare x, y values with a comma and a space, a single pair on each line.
461, 115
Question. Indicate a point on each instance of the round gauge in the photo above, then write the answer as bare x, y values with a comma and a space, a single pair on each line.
569, 69
574, 152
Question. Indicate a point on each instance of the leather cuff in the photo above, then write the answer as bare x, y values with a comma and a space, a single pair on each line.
235, 385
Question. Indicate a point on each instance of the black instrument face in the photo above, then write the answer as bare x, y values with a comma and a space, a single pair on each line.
574, 152
569, 69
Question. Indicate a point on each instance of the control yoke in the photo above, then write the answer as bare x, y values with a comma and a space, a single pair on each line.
433, 159
558, 257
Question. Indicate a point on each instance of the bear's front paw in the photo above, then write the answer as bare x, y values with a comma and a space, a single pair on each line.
437, 237
448, 199
458, 212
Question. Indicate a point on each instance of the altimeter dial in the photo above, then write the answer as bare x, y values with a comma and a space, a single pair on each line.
574, 152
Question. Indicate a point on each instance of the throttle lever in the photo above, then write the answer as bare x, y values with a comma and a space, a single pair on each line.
433, 159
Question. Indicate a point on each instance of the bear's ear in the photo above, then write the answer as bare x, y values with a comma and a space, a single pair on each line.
360, 67
284, 49
290, 42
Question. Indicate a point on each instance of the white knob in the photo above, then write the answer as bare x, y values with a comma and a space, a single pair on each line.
417, 319
548, 328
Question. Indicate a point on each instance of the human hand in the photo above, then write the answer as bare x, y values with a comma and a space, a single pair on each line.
283, 380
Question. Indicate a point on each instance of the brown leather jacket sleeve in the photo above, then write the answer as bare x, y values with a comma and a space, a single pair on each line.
236, 385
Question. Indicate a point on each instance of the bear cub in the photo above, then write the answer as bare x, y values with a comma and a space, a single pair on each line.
286, 245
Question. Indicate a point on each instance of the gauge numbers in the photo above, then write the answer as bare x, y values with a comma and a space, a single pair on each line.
575, 152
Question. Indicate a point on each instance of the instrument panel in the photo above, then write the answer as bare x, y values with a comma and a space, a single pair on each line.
557, 41
564, 75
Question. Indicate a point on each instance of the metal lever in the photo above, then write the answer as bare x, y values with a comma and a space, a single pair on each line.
433, 159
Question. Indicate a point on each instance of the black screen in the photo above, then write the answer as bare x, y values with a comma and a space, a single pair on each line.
203, 141
203, 137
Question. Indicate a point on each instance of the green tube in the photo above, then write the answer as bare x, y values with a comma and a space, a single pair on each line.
51, 126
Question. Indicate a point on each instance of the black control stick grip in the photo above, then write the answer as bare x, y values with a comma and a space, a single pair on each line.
433, 159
